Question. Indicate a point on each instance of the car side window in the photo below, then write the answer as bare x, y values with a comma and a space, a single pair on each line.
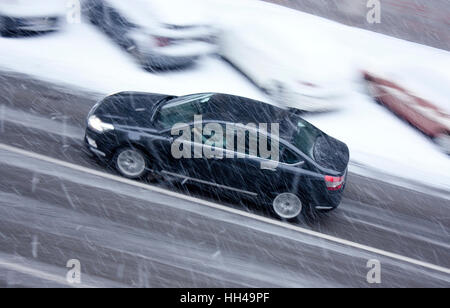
250, 144
168, 117
213, 138
197, 135
182, 110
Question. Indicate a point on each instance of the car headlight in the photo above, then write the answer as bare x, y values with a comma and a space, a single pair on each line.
98, 125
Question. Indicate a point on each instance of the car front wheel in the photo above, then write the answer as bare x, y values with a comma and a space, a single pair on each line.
287, 206
131, 163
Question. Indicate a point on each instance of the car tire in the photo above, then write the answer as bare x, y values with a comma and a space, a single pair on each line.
443, 141
3, 27
131, 163
287, 206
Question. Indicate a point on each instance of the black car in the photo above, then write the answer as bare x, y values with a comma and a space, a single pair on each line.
140, 132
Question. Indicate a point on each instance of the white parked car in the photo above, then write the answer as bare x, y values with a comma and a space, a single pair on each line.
160, 33
302, 74
31, 16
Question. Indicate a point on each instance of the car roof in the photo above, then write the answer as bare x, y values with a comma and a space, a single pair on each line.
237, 109
227, 108
241, 110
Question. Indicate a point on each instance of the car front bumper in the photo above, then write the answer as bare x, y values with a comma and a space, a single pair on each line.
92, 146
33, 24
100, 144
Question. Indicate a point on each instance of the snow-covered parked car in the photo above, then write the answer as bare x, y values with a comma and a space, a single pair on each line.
418, 97
31, 16
300, 72
159, 33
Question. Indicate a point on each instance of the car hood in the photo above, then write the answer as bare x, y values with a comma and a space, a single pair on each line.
32, 8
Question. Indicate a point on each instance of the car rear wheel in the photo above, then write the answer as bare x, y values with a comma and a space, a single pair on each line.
287, 205
131, 163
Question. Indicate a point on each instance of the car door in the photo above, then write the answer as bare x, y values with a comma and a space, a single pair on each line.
181, 156
168, 162
237, 171
176, 142
249, 173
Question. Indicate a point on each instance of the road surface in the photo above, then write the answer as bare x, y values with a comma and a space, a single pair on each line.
57, 203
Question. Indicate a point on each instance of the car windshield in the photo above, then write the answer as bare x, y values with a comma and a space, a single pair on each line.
183, 109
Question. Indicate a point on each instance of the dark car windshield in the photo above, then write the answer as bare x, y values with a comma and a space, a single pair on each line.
128, 109
182, 109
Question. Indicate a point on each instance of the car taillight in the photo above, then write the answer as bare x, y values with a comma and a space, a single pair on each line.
334, 183
308, 84
162, 41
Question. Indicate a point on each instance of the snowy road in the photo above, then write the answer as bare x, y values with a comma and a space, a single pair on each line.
127, 235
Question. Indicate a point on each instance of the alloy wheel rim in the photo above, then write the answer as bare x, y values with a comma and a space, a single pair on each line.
287, 205
131, 163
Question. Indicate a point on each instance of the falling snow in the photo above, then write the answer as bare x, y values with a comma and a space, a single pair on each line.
59, 203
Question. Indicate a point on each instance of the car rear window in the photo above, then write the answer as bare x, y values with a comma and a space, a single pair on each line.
326, 151
304, 136
331, 153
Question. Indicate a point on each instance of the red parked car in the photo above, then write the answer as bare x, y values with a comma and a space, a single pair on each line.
419, 112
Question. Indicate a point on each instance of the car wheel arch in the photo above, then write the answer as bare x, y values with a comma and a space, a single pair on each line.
134, 145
